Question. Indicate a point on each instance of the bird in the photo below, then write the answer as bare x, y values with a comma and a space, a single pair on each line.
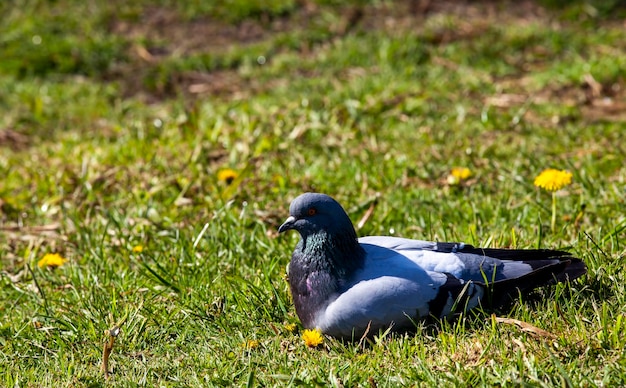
349, 287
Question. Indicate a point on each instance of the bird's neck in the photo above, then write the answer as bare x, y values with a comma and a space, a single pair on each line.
319, 268
340, 255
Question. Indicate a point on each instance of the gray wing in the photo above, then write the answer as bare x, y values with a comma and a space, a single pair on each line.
467, 262
507, 271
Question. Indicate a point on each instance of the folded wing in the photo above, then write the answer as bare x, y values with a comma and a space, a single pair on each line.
503, 273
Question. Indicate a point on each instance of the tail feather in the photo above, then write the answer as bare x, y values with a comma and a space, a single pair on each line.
516, 254
574, 270
504, 291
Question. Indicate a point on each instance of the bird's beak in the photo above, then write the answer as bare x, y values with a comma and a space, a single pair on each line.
288, 224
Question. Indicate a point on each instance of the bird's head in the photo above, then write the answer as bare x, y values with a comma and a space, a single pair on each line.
311, 213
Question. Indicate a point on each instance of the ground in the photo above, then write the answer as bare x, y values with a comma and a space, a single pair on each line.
155, 146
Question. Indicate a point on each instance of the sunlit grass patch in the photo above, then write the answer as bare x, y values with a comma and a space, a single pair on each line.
165, 202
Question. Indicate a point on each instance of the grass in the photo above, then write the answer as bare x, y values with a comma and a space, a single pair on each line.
106, 148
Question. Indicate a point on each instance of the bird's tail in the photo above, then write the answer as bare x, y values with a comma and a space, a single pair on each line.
504, 291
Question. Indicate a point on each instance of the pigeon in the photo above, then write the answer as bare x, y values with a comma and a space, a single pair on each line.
349, 287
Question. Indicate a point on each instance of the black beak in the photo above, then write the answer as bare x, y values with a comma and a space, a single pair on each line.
288, 224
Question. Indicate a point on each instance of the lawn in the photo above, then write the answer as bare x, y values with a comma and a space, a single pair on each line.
156, 145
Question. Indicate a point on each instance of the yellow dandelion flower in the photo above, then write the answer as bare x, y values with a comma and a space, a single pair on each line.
138, 249
552, 179
290, 327
461, 173
227, 175
251, 344
312, 338
458, 174
51, 260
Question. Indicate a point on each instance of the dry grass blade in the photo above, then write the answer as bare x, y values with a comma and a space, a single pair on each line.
364, 336
108, 348
526, 327
32, 229
111, 334
506, 100
367, 214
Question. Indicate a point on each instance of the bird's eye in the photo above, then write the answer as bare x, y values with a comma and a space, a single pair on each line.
312, 211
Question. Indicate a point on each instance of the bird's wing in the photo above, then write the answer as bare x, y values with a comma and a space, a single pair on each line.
466, 262
391, 289
405, 280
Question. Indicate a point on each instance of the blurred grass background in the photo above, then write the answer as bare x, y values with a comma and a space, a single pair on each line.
119, 121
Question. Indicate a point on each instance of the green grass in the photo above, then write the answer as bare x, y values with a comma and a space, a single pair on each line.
115, 151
